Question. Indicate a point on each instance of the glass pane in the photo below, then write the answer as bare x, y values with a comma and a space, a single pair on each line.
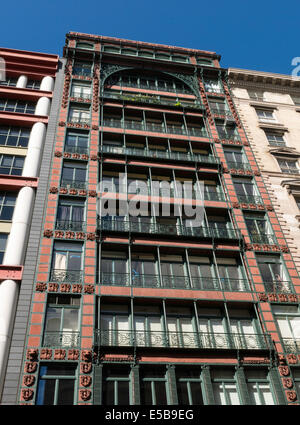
182, 393
70, 322
123, 393
53, 319
160, 392
146, 393
46, 390
108, 393
196, 393
65, 394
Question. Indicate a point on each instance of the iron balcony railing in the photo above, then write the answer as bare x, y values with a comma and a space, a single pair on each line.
279, 287
291, 345
76, 149
82, 71
250, 199
174, 282
117, 225
153, 100
148, 86
239, 165
74, 184
64, 339
153, 127
60, 275
164, 192
156, 153
75, 226
79, 120
224, 112
166, 339
266, 238
77, 95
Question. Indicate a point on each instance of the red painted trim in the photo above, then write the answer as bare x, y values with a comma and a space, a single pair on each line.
11, 272
13, 92
17, 182
15, 118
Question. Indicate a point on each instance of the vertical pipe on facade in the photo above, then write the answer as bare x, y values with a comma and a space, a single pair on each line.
159, 266
217, 270
196, 316
165, 320
188, 267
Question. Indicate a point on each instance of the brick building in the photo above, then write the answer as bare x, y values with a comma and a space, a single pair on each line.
149, 309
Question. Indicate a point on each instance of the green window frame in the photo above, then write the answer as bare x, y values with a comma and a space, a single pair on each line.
117, 385
70, 214
296, 378
246, 190
227, 131
82, 68
62, 321
77, 142
258, 386
288, 323
259, 228
225, 388
74, 174
274, 274
190, 388
153, 387
57, 384
80, 89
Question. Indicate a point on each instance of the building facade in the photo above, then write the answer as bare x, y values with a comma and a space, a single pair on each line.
26, 92
269, 106
147, 309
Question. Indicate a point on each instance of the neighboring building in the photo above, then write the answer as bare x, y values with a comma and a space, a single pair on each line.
25, 114
149, 310
269, 107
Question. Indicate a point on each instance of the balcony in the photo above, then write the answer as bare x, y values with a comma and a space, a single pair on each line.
75, 226
228, 232
62, 276
74, 184
166, 192
239, 166
154, 100
250, 199
280, 287
182, 340
266, 238
79, 120
291, 345
160, 154
174, 282
153, 127
64, 339
76, 149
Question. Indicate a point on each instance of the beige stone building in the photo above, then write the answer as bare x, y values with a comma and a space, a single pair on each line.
269, 107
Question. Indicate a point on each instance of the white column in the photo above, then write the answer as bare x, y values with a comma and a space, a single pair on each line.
42, 106
9, 290
47, 84
22, 82
14, 255
35, 148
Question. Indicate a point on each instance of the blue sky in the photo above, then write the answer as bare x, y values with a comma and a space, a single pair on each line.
251, 34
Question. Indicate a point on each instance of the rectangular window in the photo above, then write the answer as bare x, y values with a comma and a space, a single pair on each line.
70, 215
153, 385
265, 115
3, 240
288, 322
7, 205
273, 273
66, 262
81, 90
62, 321
116, 386
259, 387
74, 175
14, 136
247, 190
213, 86
76, 142
224, 387
189, 386
11, 164
56, 384
259, 229
227, 131
82, 68
256, 95
10, 81
33, 84
275, 138
288, 166
79, 115
18, 106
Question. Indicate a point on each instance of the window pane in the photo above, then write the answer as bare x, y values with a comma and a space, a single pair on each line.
45, 394
160, 392
123, 393
65, 392
108, 393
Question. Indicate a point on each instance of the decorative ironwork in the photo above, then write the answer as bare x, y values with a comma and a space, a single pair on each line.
250, 199
174, 282
227, 232
61, 339
58, 275
75, 184
69, 225
278, 286
201, 340
291, 345
151, 153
